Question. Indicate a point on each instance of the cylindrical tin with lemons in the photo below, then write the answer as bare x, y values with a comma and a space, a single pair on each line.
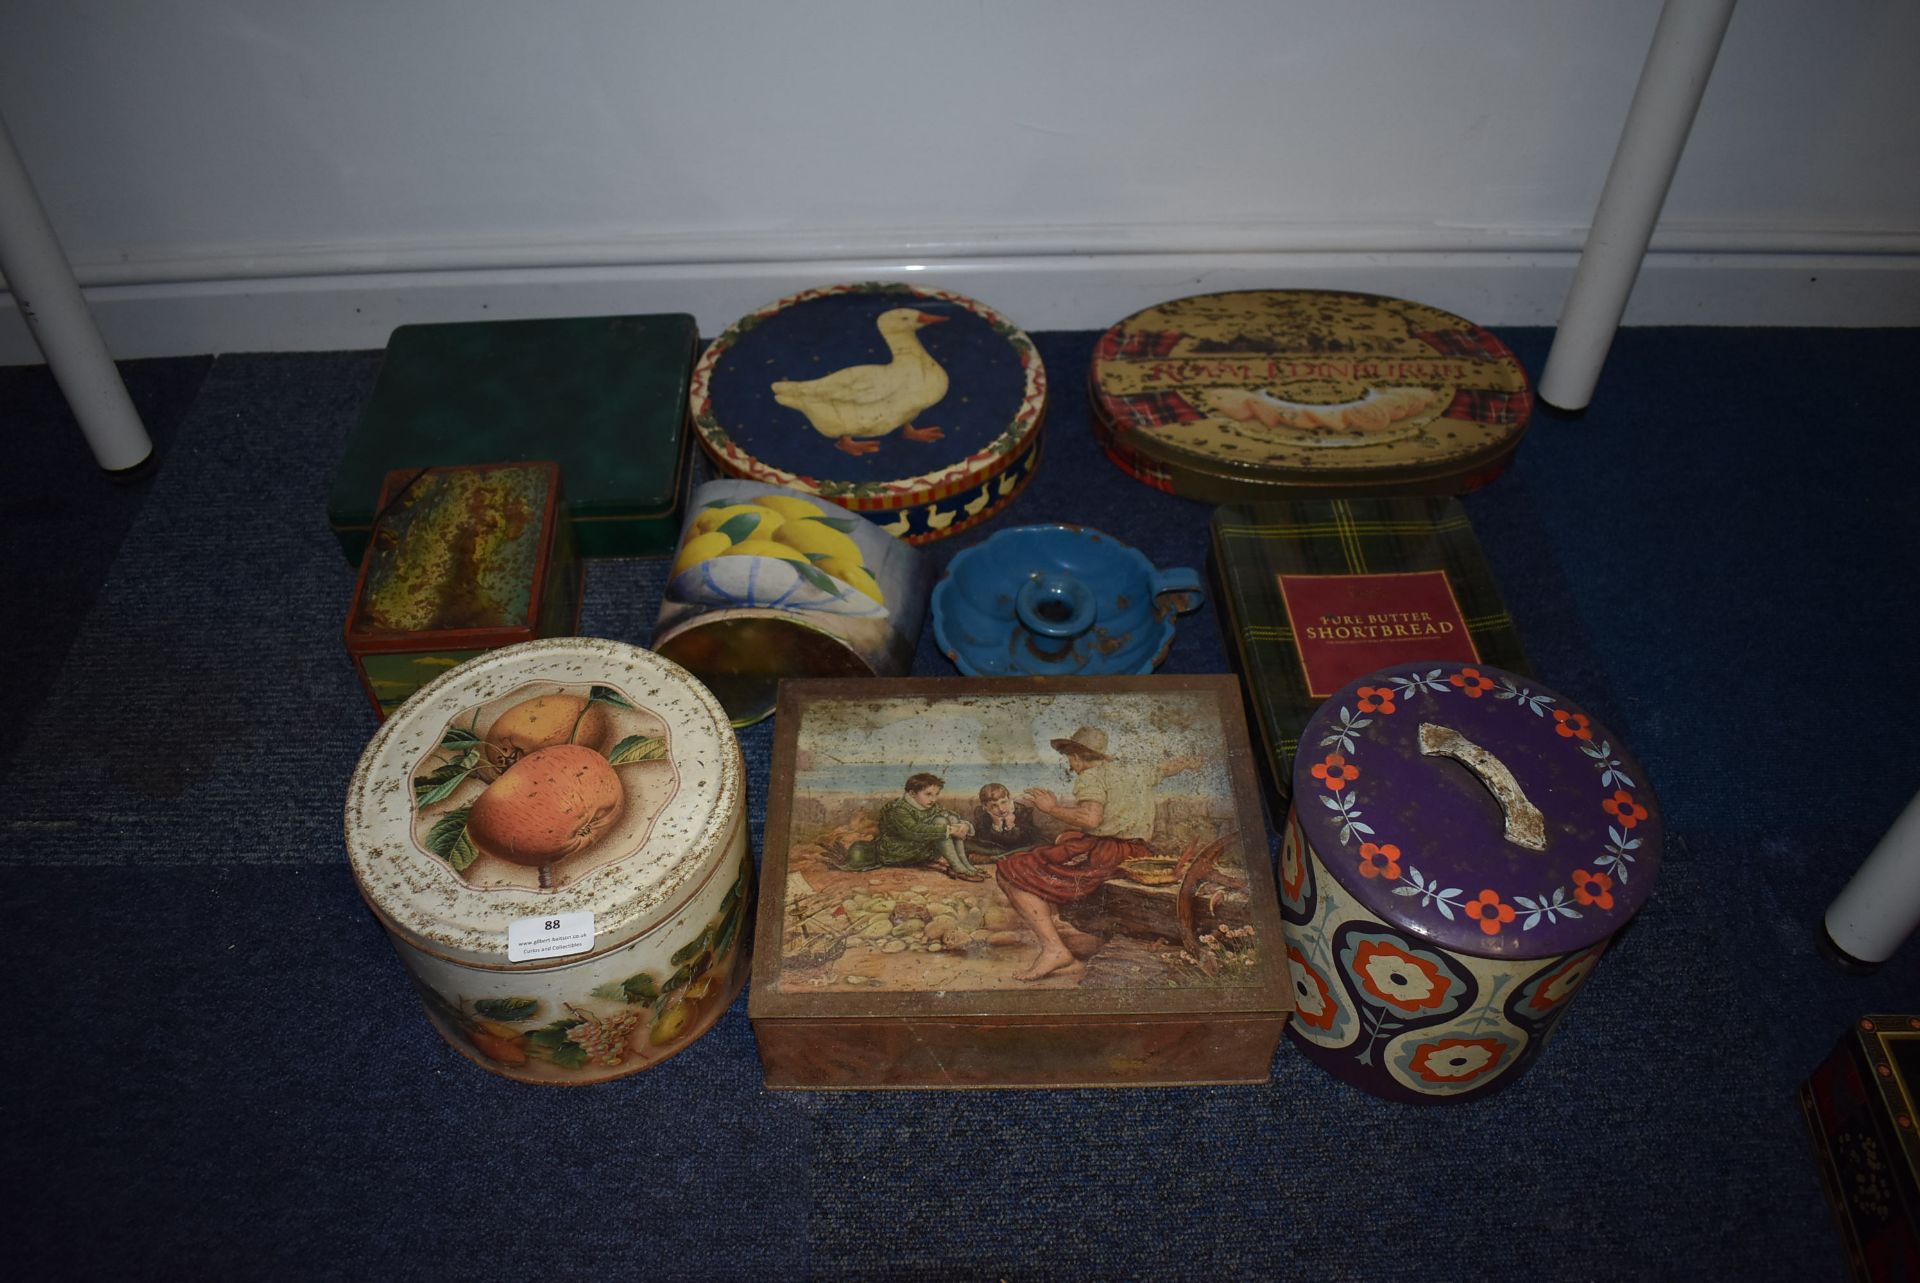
770, 583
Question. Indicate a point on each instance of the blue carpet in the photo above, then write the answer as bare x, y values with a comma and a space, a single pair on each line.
219, 1070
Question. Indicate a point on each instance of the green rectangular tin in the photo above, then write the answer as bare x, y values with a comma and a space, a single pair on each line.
604, 397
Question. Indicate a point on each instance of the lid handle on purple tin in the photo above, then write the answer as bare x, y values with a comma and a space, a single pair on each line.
1524, 823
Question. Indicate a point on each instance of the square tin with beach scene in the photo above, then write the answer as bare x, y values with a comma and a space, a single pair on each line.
1016, 882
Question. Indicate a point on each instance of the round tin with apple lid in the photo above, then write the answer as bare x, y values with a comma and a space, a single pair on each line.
553, 836
917, 408
1464, 845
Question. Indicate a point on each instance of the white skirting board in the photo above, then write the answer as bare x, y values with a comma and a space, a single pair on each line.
325, 309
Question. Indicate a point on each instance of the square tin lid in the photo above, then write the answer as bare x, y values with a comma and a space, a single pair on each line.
603, 396
842, 747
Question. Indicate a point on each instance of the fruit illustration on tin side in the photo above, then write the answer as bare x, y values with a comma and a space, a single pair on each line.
782, 551
543, 782
621, 1025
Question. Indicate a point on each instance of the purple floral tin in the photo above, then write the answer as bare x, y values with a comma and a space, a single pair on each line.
1463, 846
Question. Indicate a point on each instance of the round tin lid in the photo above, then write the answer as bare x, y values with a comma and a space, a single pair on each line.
879, 397
1476, 808
560, 776
1263, 391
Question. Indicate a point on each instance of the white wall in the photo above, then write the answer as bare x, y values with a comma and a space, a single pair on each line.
232, 174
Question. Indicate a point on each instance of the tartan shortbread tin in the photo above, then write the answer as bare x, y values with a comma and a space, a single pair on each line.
1463, 846
554, 837
1316, 592
916, 408
1274, 394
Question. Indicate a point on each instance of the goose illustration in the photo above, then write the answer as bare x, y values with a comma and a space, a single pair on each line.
865, 401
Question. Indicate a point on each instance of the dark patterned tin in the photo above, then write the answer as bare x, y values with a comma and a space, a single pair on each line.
1263, 394
916, 408
1463, 846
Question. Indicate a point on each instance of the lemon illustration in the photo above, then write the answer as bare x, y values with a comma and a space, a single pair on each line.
853, 574
766, 548
790, 506
700, 548
714, 518
820, 539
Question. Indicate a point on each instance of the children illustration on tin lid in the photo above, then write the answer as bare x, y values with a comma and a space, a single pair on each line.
1087, 880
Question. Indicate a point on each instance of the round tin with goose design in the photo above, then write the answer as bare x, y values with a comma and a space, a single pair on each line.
1271, 394
917, 408
1463, 846
553, 835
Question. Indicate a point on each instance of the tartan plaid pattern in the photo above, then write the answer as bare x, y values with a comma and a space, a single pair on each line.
1130, 461
1152, 410
1115, 344
1254, 544
1475, 343
1503, 409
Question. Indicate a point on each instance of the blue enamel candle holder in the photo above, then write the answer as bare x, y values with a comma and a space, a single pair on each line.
1048, 601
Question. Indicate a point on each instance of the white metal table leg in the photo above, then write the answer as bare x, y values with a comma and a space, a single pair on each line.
1675, 76
1880, 907
49, 299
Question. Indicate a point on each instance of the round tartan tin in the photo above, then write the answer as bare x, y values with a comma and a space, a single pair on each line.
916, 408
1463, 846
553, 836
1269, 394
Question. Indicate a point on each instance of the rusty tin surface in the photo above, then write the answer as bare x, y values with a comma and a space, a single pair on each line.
568, 776
917, 408
462, 560
1263, 394
899, 942
770, 583
1464, 845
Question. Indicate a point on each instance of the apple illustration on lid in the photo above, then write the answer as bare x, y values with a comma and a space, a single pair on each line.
538, 783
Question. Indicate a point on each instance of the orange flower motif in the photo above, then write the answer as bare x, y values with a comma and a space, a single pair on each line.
1593, 888
1472, 682
1336, 772
1623, 808
1490, 912
1572, 725
1459, 1060
1389, 856
1375, 699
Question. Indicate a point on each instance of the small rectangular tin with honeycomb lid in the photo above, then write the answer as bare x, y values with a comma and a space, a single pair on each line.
462, 560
